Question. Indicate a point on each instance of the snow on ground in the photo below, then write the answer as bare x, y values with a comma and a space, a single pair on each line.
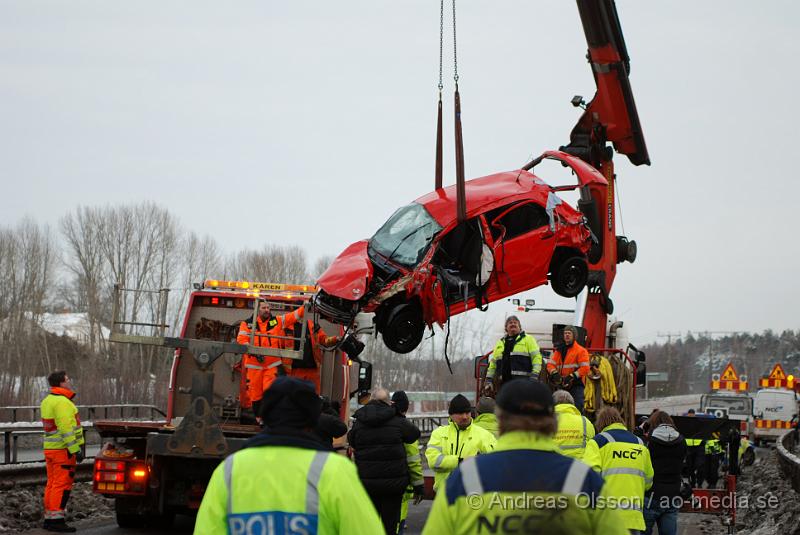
72, 324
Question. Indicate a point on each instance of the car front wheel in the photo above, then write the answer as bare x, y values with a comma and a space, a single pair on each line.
569, 276
402, 327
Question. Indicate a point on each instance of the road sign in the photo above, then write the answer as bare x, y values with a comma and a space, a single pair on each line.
658, 377
729, 380
777, 379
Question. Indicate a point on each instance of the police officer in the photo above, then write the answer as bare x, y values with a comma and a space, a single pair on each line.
284, 480
574, 429
516, 355
526, 485
450, 444
63, 449
624, 462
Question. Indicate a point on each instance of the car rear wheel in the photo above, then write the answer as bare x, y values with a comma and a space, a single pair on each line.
402, 327
569, 276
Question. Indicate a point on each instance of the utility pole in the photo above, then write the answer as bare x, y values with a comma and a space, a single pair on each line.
670, 365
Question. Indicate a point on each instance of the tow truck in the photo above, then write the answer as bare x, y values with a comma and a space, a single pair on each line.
154, 470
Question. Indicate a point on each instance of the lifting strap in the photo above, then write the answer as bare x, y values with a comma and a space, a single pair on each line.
461, 205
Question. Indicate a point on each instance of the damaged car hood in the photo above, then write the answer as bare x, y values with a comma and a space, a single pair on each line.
349, 275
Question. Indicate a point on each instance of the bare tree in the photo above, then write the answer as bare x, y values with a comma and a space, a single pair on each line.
320, 265
273, 263
82, 233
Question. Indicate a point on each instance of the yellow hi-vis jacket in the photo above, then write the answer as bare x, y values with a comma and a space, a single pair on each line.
525, 486
488, 421
624, 462
526, 359
286, 489
574, 431
414, 460
62, 425
449, 444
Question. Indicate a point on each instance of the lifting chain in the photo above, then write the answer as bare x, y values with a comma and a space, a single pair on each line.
441, 44
455, 48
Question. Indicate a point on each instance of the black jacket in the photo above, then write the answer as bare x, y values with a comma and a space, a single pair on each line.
377, 438
667, 451
329, 427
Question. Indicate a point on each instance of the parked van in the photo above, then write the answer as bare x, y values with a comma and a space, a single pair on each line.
775, 411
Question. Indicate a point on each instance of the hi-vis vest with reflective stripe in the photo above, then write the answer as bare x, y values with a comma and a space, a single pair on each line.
62, 425
525, 486
574, 431
624, 462
526, 359
283, 489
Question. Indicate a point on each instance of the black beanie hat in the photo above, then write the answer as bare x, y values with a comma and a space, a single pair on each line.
459, 404
528, 398
290, 402
400, 400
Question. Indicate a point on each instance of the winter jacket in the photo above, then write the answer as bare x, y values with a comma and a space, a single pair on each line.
378, 438
488, 421
328, 428
667, 451
449, 445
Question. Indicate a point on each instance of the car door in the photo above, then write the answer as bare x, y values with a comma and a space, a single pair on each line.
523, 246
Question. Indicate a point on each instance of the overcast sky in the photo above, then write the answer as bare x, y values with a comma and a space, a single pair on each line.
321, 117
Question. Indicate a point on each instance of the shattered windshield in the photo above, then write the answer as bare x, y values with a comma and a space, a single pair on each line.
405, 237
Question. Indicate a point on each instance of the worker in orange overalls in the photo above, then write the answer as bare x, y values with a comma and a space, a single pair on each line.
63, 449
569, 366
261, 371
309, 367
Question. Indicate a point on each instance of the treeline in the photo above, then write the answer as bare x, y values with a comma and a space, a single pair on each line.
691, 359
74, 267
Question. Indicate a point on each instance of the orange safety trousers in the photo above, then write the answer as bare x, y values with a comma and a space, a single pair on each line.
60, 476
308, 374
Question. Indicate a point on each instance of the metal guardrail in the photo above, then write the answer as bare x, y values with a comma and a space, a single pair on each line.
426, 424
788, 460
12, 431
121, 411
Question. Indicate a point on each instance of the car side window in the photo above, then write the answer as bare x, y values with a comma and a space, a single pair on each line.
523, 218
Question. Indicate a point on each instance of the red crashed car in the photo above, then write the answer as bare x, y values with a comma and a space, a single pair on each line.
422, 266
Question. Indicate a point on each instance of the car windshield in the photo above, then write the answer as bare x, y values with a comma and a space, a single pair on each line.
405, 237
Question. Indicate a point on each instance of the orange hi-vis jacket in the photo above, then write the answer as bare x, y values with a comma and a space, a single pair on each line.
575, 361
261, 371
317, 338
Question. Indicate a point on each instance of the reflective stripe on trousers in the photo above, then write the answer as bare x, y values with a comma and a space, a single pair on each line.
312, 481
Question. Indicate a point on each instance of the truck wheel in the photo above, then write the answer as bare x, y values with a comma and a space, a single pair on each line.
130, 520
570, 275
403, 328
127, 512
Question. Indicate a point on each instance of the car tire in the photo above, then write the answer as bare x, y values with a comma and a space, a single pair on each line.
570, 276
403, 328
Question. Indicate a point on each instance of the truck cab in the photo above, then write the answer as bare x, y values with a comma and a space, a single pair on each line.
733, 405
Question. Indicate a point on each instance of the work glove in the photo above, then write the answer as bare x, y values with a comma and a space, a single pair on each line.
566, 382
488, 387
555, 377
419, 493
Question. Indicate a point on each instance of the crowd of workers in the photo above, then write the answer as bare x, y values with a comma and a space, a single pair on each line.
528, 460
